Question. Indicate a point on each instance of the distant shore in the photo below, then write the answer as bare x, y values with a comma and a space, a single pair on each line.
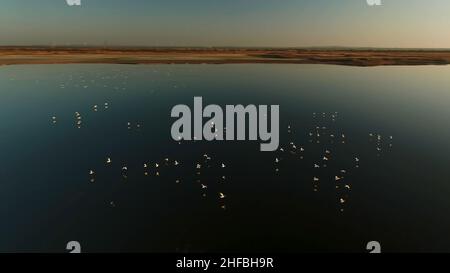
134, 55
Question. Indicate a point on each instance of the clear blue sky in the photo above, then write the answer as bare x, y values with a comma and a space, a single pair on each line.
397, 23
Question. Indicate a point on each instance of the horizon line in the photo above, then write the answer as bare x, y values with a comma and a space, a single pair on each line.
219, 47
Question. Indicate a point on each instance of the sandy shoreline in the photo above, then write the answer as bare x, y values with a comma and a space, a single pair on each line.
349, 57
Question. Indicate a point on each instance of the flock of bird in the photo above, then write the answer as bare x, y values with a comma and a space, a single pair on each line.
381, 143
322, 136
319, 151
169, 170
157, 168
330, 164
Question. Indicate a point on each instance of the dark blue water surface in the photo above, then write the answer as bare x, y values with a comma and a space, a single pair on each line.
364, 156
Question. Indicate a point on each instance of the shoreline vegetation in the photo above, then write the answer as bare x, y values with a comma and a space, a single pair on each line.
15, 55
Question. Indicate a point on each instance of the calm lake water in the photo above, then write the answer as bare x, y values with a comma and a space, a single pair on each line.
365, 155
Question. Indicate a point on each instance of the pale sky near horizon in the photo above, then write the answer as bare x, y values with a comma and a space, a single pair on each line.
284, 23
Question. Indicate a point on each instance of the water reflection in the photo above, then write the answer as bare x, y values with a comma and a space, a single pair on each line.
106, 171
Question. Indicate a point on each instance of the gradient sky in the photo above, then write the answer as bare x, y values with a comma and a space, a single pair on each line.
398, 23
